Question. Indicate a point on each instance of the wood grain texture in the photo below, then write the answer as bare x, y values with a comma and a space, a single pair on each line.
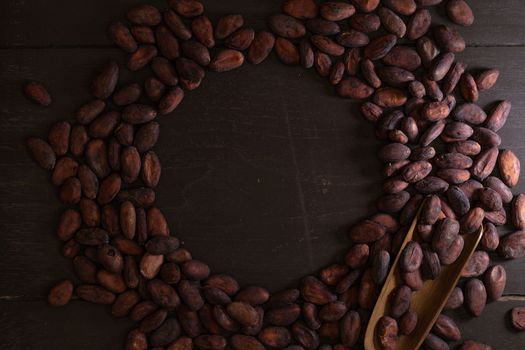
81, 326
84, 23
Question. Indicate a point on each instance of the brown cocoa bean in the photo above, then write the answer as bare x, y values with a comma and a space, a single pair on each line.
352, 38
449, 39
455, 299
386, 333
336, 11
380, 46
105, 82
187, 8
446, 328
403, 57
144, 14
136, 340
143, 34
167, 44
431, 267
418, 24
495, 279
122, 37
353, 87
111, 281
509, 167
195, 270
163, 294
41, 152
408, 323
140, 58
314, 291
487, 79
70, 192
484, 163
476, 265
244, 342
286, 26
513, 245
287, 52
261, 47
60, 294
400, 301
392, 22
460, 12
411, 257
37, 93
431, 184
475, 296
433, 342
196, 51
153, 320
517, 318
154, 88
277, 337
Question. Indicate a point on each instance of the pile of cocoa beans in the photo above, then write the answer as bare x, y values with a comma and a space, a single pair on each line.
441, 153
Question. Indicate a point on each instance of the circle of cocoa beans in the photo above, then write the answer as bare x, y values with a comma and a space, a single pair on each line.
441, 153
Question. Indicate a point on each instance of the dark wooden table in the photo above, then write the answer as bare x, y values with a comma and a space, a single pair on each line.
264, 168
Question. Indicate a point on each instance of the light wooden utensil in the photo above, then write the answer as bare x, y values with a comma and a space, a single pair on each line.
428, 302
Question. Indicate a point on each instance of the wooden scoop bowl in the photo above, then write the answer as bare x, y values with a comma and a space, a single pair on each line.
427, 302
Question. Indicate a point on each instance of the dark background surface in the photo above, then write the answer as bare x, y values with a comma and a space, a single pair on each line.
264, 168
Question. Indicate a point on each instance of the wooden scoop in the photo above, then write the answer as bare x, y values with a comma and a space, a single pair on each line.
427, 302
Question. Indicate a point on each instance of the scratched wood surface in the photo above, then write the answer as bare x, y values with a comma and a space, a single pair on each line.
264, 168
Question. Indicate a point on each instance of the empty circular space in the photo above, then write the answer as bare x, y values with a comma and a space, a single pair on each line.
264, 169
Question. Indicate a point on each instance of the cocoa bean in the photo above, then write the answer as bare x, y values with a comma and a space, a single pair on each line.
408, 323
143, 34
60, 294
277, 337
187, 8
418, 24
509, 167
446, 328
517, 318
392, 22
455, 299
380, 46
433, 342
105, 82
196, 51
261, 47
286, 26
476, 265
460, 12
37, 93
468, 88
513, 245
487, 79
163, 294
353, 87
226, 60
386, 333
484, 163
449, 39
144, 14
140, 58
336, 11
475, 296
